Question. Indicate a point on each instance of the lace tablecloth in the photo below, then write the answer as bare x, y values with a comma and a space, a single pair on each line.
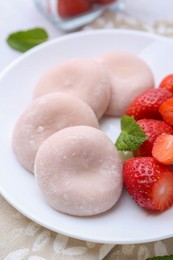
21, 238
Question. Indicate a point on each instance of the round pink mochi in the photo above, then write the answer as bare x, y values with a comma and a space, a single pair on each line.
129, 77
79, 171
85, 78
45, 116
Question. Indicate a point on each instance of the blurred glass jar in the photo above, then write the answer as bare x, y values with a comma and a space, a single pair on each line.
54, 11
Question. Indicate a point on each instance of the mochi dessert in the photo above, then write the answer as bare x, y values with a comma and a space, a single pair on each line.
129, 77
85, 78
45, 116
79, 171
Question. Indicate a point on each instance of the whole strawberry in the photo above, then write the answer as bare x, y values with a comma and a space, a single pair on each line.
152, 129
70, 8
103, 1
147, 104
149, 183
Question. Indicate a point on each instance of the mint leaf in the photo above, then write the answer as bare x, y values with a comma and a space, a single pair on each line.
131, 136
165, 257
25, 40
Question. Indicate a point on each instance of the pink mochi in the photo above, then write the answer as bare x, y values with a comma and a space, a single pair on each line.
86, 78
129, 76
45, 116
79, 171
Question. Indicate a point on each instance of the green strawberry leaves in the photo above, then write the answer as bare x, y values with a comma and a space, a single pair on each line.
131, 136
165, 257
25, 40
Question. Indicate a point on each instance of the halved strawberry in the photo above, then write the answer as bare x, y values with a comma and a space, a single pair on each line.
70, 8
149, 183
152, 128
166, 110
167, 83
163, 149
147, 104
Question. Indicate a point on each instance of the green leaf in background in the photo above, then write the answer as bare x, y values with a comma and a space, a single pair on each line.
165, 257
25, 40
131, 136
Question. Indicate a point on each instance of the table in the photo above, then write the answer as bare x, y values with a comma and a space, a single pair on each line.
21, 238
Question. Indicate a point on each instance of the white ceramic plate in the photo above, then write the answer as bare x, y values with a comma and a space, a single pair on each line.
125, 222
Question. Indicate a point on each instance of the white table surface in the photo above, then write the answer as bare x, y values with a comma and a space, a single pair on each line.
19, 15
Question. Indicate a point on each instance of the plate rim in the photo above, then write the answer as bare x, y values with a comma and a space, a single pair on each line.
80, 33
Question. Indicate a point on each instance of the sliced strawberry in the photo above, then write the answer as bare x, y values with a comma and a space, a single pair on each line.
163, 192
152, 128
70, 8
163, 149
147, 104
167, 83
166, 110
149, 183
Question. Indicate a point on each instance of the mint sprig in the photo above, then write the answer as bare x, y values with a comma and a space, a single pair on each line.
25, 40
131, 136
165, 257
